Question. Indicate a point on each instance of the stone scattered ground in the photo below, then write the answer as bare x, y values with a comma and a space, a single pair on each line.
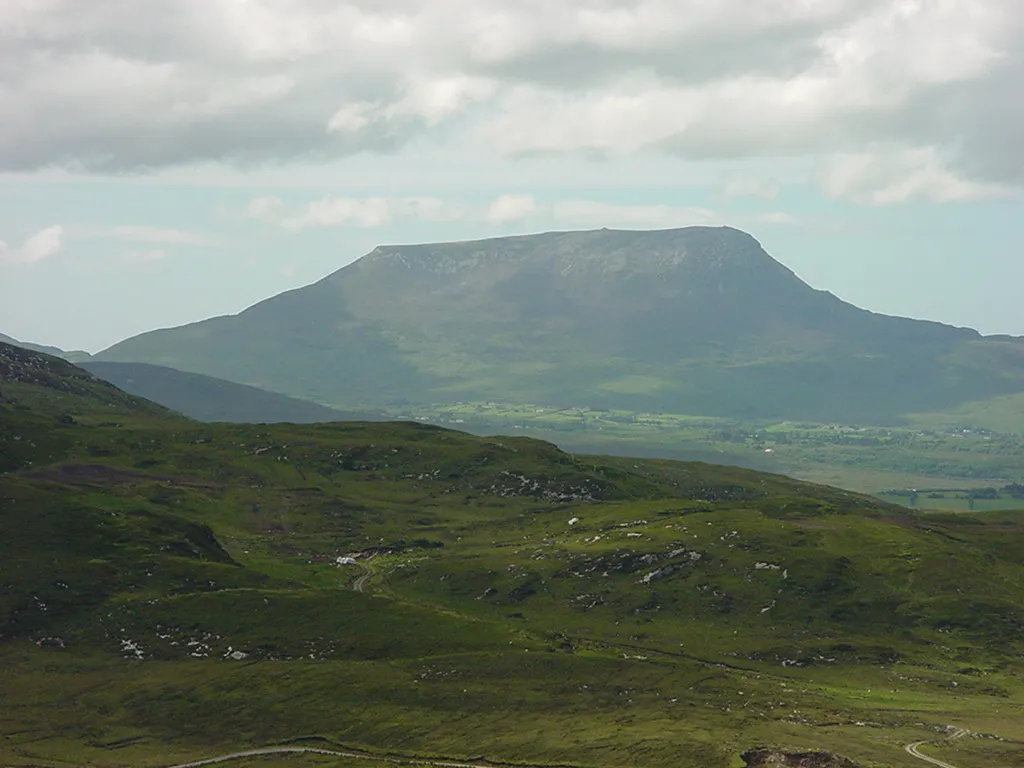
774, 758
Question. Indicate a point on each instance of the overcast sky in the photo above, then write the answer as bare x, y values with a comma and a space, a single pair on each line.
163, 161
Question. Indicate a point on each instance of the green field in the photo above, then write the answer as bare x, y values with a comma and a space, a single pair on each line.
173, 591
869, 459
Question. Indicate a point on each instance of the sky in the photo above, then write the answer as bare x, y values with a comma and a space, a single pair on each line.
165, 161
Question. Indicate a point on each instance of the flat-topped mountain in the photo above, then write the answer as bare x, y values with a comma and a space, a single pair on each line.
697, 320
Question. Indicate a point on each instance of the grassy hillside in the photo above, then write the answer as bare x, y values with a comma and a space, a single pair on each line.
174, 590
698, 320
205, 398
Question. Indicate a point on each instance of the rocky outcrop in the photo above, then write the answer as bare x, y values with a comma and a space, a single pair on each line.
767, 757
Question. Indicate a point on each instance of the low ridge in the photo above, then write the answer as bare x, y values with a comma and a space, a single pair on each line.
208, 399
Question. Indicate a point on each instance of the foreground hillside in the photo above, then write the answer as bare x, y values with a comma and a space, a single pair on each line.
697, 321
175, 590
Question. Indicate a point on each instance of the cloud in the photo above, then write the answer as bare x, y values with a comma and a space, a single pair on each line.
145, 234
371, 212
263, 209
510, 208
332, 211
38, 247
887, 175
429, 102
517, 211
588, 213
98, 86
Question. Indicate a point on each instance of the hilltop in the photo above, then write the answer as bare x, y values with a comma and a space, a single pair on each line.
698, 320
74, 356
174, 590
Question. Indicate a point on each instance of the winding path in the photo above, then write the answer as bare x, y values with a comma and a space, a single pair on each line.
913, 749
359, 585
332, 753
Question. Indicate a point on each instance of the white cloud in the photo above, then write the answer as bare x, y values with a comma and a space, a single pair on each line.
38, 247
355, 117
884, 175
335, 211
593, 213
511, 208
424, 101
341, 211
371, 212
144, 234
97, 86
264, 209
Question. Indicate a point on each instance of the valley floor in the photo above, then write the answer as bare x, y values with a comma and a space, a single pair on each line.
865, 458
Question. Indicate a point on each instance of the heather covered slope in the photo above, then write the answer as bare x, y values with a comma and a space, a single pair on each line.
172, 590
697, 320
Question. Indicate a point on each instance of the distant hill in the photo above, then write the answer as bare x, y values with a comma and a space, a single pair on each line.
698, 320
60, 385
205, 398
73, 356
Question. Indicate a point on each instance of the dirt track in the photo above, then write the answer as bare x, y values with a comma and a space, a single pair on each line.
913, 749
331, 753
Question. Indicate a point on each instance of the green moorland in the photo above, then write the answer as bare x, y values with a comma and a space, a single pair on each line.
171, 590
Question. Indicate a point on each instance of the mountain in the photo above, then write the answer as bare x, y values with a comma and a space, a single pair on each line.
172, 591
74, 356
205, 398
697, 320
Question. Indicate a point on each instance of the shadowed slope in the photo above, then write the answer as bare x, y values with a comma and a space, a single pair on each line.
208, 399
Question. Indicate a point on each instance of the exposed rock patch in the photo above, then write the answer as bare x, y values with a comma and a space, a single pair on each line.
767, 757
